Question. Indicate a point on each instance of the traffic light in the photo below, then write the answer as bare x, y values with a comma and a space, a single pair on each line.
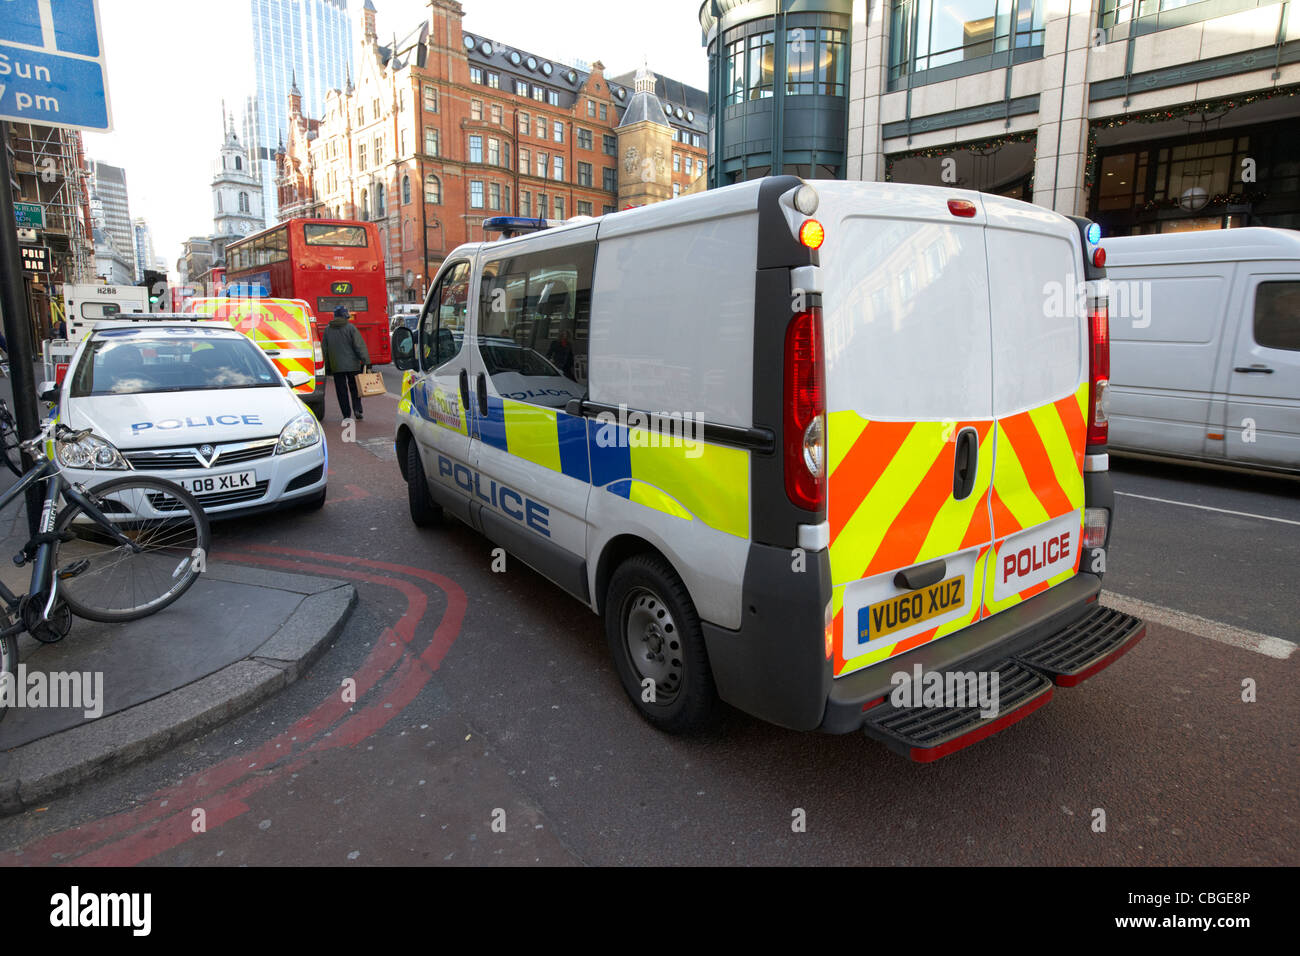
156, 283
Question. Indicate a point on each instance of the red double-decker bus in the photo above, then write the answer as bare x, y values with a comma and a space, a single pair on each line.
326, 263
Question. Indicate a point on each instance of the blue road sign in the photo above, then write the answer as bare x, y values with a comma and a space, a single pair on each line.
52, 64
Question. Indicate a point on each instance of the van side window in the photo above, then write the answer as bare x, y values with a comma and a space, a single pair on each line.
534, 315
1277, 315
442, 327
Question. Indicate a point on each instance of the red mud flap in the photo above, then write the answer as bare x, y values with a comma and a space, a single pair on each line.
1066, 658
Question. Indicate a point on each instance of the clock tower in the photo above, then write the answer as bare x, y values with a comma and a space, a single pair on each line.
236, 193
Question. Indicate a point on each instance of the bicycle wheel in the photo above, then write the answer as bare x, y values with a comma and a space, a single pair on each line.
9, 441
103, 580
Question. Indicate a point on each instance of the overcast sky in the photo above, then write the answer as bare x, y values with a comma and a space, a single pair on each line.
170, 63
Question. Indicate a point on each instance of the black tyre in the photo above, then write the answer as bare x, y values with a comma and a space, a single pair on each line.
425, 512
654, 634
317, 409
103, 580
8, 666
9, 450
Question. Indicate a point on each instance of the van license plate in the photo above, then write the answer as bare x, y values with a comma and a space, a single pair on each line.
901, 612
208, 484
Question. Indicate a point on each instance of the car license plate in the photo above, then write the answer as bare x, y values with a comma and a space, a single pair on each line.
904, 610
208, 484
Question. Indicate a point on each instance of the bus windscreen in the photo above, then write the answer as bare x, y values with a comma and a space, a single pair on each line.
328, 235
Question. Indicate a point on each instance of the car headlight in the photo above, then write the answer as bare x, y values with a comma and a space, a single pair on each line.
91, 453
302, 432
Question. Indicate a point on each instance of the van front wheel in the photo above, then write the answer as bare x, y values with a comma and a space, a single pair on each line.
654, 636
424, 510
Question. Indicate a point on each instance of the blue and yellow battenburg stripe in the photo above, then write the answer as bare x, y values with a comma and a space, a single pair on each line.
692, 481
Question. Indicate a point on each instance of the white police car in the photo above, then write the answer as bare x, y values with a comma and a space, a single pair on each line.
194, 402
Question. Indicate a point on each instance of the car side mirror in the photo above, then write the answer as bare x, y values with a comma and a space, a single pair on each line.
48, 391
404, 349
297, 377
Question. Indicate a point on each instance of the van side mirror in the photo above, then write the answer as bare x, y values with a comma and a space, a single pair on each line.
404, 349
297, 377
48, 392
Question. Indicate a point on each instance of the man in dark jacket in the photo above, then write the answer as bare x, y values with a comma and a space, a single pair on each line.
345, 356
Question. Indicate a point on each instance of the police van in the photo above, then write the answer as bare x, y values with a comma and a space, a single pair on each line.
792, 440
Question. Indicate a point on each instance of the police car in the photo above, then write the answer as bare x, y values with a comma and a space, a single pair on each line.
833, 440
195, 402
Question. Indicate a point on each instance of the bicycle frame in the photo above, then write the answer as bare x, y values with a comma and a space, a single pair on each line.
43, 577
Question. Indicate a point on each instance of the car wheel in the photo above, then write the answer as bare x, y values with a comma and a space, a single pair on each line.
425, 512
654, 636
316, 502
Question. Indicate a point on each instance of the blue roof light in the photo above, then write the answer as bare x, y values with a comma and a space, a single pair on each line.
1094, 233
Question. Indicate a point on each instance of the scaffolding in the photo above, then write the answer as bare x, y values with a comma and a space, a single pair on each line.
50, 169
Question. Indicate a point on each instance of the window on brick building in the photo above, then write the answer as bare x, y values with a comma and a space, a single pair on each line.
524, 157
523, 124
606, 210
584, 208
406, 190
677, 162
476, 194
432, 189
521, 88
431, 141
591, 107
476, 149
494, 152
431, 98
559, 207
604, 112
609, 144
541, 165
475, 74
476, 109
494, 195
496, 113
559, 168
584, 138
553, 97
539, 94
584, 174
525, 203
559, 131
543, 207
494, 80
609, 179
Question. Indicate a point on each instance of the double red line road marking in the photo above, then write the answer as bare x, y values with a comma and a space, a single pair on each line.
390, 677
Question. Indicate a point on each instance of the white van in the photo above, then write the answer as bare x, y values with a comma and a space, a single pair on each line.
796, 442
84, 305
1205, 346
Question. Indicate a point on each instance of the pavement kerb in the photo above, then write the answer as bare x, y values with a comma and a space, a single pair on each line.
44, 768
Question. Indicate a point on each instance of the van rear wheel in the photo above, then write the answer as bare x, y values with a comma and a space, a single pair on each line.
425, 512
655, 638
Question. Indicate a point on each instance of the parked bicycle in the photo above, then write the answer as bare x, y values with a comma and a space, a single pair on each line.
118, 552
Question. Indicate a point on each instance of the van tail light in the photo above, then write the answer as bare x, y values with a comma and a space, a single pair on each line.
1098, 372
1095, 522
805, 412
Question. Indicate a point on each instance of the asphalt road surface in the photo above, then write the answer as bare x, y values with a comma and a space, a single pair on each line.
488, 697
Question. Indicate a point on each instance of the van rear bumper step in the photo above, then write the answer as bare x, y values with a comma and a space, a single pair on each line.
1089, 645
928, 733
1025, 682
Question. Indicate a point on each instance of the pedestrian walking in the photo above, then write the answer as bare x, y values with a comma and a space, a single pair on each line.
345, 356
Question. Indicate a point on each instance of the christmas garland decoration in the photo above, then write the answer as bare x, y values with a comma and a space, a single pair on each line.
1178, 112
976, 146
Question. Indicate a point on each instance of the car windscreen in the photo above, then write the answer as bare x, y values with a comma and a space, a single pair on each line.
137, 365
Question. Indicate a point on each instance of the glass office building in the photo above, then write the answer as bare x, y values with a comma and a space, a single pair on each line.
304, 41
778, 87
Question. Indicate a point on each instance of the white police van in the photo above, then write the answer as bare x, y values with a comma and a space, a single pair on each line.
791, 440
195, 402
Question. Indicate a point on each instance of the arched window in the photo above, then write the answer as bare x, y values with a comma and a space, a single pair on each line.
379, 200
406, 190
239, 163
243, 202
365, 204
432, 189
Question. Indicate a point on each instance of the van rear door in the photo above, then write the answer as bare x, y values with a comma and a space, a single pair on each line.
1040, 399
1263, 393
909, 392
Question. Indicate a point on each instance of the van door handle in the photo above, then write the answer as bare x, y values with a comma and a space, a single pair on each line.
464, 389
921, 576
482, 395
965, 463
1262, 369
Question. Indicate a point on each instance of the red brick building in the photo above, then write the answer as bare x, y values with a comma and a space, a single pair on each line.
442, 129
